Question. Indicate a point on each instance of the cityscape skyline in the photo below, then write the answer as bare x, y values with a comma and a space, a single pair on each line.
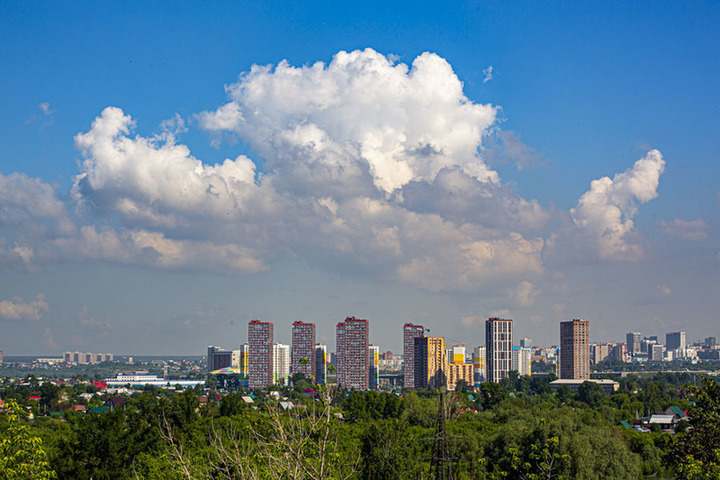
429, 362
169, 174
285, 334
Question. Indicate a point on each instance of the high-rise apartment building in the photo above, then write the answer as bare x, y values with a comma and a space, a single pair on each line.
599, 352
522, 360
218, 358
373, 367
430, 362
575, 349
240, 358
498, 344
281, 363
479, 374
632, 340
619, 352
410, 333
303, 349
456, 354
457, 370
675, 341
352, 342
656, 353
320, 364
260, 349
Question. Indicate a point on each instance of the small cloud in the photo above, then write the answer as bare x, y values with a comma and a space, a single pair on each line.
46, 113
524, 294
88, 321
658, 323
470, 320
49, 340
694, 230
501, 313
560, 309
45, 107
17, 309
198, 319
488, 74
536, 319
506, 147
664, 290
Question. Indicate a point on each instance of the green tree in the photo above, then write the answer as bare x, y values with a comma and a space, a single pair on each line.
544, 461
22, 455
388, 450
591, 393
697, 451
232, 404
211, 381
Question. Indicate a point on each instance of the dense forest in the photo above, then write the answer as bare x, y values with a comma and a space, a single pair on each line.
519, 429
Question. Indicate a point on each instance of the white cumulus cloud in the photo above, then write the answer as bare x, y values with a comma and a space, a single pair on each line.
18, 309
602, 221
361, 113
367, 165
363, 166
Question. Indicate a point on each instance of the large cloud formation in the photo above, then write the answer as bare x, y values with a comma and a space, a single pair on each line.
602, 221
361, 114
362, 165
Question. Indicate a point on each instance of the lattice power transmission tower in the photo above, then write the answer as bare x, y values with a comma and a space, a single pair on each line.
441, 461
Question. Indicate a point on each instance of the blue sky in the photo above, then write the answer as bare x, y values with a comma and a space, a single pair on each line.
435, 168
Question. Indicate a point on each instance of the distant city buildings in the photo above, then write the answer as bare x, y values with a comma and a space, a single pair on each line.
303, 349
619, 353
281, 363
240, 358
522, 360
427, 362
675, 341
410, 333
657, 353
575, 349
320, 364
260, 361
430, 362
218, 358
352, 342
373, 367
87, 358
632, 341
457, 369
498, 344
479, 372
599, 352
141, 378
